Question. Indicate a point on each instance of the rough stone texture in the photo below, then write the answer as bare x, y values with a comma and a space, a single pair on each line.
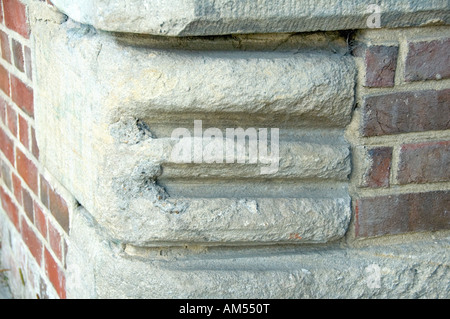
396, 214
207, 17
116, 104
428, 60
424, 163
297, 160
5, 292
404, 112
102, 269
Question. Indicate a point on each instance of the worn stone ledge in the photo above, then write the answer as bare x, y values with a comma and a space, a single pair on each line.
98, 268
207, 17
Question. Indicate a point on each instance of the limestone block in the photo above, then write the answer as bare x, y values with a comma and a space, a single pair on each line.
208, 17
106, 113
102, 269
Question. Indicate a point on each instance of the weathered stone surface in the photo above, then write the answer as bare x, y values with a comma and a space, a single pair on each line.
5, 292
298, 160
207, 17
102, 269
105, 112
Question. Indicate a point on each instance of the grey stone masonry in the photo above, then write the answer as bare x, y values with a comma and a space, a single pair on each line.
107, 107
206, 144
99, 269
216, 17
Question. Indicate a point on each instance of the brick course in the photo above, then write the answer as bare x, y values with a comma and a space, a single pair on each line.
428, 60
404, 112
19, 153
27, 170
397, 214
9, 207
17, 50
404, 108
5, 46
15, 17
424, 163
4, 80
22, 95
32, 240
378, 173
381, 63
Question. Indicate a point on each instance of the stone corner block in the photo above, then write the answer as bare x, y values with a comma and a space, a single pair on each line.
105, 117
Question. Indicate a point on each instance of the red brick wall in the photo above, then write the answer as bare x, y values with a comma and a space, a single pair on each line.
401, 132
36, 210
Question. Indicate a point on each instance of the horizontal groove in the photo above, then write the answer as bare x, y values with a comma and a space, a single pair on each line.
264, 157
401, 138
408, 87
300, 129
331, 41
280, 188
402, 189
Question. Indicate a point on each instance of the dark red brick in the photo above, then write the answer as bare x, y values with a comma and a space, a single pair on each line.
59, 209
44, 194
11, 119
398, 214
10, 208
55, 203
424, 163
34, 145
428, 60
23, 132
5, 174
381, 64
4, 80
40, 221
55, 274
18, 58
27, 202
377, 175
54, 239
405, 112
3, 110
17, 186
27, 170
7, 146
16, 17
31, 240
22, 95
5, 46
